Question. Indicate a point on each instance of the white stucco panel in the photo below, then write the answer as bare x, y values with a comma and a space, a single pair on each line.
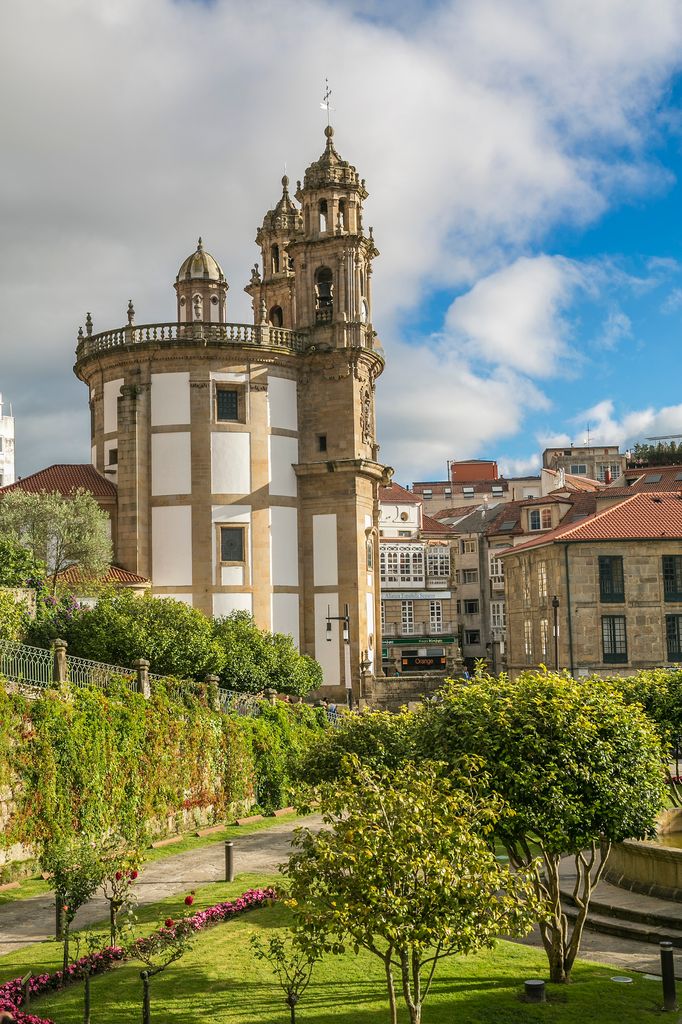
327, 652
282, 403
285, 615
232, 575
230, 462
283, 546
227, 376
110, 392
225, 604
171, 463
283, 456
325, 559
172, 546
170, 399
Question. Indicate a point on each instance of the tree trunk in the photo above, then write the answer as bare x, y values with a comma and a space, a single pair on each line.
86, 1000
390, 985
146, 1004
65, 959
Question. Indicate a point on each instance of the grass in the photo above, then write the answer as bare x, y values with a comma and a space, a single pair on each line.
219, 982
36, 886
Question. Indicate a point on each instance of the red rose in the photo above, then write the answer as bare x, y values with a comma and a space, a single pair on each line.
133, 875
189, 900
169, 922
118, 876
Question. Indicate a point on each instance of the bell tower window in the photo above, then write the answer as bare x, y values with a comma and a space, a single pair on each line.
323, 215
274, 257
324, 293
342, 225
276, 319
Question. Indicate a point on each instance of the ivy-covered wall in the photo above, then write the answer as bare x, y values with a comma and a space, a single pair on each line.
87, 761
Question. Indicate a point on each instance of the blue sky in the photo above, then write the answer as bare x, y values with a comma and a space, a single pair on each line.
523, 159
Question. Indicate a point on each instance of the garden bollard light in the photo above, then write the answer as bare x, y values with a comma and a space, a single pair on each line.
534, 990
668, 976
229, 861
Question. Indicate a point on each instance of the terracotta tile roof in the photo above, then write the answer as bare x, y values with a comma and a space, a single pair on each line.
115, 574
453, 513
430, 525
399, 495
639, 517
652, 480
65, 479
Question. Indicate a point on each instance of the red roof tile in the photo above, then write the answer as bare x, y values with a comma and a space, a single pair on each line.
115, 574
399, 495
430, 525
639, 517
65, 479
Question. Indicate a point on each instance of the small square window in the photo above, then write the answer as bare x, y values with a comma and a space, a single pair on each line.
226, 404
472, 636
231, 543
113, 456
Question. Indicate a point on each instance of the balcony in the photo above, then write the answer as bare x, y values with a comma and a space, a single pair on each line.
497, 582
418, 629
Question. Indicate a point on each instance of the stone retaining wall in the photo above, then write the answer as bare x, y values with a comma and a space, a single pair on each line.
390, 693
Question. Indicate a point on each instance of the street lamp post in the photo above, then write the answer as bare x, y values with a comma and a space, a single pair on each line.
345, 619
555, 610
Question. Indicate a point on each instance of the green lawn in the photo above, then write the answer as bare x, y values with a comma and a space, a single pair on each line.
36, 886
220, 982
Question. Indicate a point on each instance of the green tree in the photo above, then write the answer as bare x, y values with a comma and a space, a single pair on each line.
158, 951
76, 874
291, 963
13, 617
59, 531
406, 871
579, 768
254, 659
659, 692
381, 740
120, 868
18, 566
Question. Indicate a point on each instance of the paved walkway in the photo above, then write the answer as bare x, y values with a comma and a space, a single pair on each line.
33, 920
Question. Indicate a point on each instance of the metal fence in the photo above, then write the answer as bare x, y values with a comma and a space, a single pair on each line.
31, 666
82, 672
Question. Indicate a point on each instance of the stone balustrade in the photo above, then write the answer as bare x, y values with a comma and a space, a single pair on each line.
205, 334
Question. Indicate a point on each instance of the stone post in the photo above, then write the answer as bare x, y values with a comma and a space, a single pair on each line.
213, 680
59, 664
270, 695
142, 669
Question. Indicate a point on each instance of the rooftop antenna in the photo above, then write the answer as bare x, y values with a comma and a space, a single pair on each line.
587, 441
325, 105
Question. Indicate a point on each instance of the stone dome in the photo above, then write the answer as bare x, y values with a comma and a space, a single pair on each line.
200, 266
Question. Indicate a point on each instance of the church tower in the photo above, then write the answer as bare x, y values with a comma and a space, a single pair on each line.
245, 455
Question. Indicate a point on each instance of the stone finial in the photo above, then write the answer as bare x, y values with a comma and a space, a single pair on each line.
200, 245
255, 274
88, 324
263, 312
285, 184
371, 233
298, 186
131, 313
80, 333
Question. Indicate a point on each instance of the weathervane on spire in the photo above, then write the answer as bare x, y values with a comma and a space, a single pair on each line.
325, 104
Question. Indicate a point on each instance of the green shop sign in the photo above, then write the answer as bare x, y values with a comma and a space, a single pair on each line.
419, 641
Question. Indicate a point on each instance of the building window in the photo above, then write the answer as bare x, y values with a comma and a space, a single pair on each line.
467, 491
673, 636
436, 616
498, 615
542, 582
497, 489
614, 639
672, 577
324, 290
578, 469
321, 442
323, 215
226, 404
276, 316
544, 637
528, 641
388, 562
540, 519
370, 554
472, 636
407, 617
274, 255
471, 607
611, 579
496, 569
438, 562
525, 583
113, 456
383, 616
469, 575
469, 547
427, 494
231, 543
411, 564
612, 468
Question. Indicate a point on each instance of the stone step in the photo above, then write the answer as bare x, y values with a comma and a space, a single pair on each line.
631, 930
610, 902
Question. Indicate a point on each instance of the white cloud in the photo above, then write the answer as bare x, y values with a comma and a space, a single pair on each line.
135, 126
514, 316
617, 327
606, 427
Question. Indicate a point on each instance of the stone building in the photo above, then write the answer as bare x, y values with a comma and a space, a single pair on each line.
245, 455
610, 582
6, 447
472, 482
418, 618
597, 462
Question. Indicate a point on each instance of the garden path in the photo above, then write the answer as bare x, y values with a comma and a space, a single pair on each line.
32, 920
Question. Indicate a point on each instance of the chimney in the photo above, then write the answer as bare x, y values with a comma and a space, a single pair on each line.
607, 476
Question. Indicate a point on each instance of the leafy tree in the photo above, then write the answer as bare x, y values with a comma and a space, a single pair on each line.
659, 692
381, 740
120, 869
158, 951
292, 965
662, 454
13, 617
18, 566
59, 531
255, 659
406, 871
76, 874
579, 768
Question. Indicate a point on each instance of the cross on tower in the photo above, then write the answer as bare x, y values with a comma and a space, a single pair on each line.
325, 104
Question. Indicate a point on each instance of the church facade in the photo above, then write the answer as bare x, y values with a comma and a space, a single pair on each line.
245, 455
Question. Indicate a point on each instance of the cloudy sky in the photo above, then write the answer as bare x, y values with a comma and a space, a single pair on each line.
523, 162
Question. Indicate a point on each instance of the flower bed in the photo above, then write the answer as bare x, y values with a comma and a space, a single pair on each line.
11, 996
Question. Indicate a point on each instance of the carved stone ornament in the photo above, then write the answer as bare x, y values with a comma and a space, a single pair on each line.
366, 415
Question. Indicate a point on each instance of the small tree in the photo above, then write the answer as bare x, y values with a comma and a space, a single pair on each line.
59, 531
292, 964
120, 868
18, 567
76, 873
579, 768
406, 871
158, 951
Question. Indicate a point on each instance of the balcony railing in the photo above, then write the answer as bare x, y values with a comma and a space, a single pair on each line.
418, 629
258, 335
